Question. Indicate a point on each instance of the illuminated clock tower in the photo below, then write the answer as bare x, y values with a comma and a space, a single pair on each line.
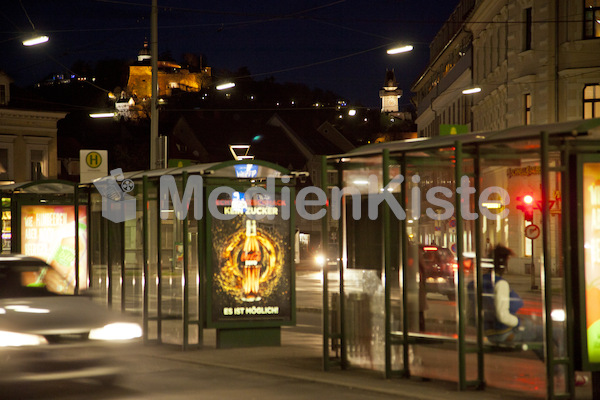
390, 93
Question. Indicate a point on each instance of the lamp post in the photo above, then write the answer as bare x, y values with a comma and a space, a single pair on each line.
154, 98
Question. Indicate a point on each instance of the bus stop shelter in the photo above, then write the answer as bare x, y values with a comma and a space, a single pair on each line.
188, 248
400, 310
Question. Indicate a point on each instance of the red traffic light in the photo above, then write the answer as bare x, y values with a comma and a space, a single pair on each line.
526, 205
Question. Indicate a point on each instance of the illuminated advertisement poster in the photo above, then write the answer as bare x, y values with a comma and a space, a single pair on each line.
48, 232
251, 261
591, 218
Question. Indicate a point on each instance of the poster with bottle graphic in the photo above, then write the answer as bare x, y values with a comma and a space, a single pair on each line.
591, 246
48, 232
251, 268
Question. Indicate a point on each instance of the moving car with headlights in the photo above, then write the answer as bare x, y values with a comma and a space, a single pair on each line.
46, 336
438, 265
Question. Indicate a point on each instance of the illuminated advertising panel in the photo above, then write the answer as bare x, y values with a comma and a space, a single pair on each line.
48, 232
251, 266
246, 170
591, 223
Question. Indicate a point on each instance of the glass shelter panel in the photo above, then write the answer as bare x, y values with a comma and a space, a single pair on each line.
362, 224
192, 281
171, 264
432, 264
98, 251
518, 225
133, 236
153, 277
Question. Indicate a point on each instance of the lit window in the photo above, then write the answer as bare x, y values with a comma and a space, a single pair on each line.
37, 158
37, 164
591, 101
528, 242
591, 16
527, 104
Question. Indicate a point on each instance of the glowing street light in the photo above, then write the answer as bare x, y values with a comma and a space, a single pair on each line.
472, 90
227, 85
36, 40
102, 115
400, 49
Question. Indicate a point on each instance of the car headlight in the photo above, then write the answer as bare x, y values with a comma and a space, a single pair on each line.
15, 339
117, 331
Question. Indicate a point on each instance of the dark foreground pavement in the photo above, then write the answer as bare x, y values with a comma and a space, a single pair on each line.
292, 371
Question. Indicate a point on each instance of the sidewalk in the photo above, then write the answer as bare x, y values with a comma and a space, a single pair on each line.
300, 358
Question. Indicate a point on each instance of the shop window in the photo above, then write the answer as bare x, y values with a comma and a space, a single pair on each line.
591, 16
527, 109
591, 101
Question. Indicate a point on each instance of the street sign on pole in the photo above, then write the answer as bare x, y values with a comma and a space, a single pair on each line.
532, 231
93, 164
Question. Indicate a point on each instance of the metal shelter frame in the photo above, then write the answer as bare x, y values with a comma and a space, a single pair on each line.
149, 266
568, 140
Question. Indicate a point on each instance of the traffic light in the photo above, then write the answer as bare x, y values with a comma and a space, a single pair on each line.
526, 204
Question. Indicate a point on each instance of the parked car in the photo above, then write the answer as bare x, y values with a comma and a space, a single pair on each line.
438, 265
49, 336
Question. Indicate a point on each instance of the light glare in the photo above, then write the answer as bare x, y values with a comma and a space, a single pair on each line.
117, 331
35, 40
14, 339
401, 49
102, 115
472, 90
224, 86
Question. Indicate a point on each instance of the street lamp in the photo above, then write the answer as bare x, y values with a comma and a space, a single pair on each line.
224, 86
400, 49
102, 115
472, 90
35, 40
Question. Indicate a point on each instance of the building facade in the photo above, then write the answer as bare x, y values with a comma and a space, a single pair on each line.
535, 61
27, 141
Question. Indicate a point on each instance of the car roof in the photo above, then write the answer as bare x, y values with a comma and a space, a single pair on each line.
19, 259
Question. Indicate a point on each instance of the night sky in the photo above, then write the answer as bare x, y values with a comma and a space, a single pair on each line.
336, 45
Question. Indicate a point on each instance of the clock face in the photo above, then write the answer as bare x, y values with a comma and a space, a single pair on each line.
390, 101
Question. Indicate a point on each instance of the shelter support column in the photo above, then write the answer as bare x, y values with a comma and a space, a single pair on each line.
460, 303
387, 266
